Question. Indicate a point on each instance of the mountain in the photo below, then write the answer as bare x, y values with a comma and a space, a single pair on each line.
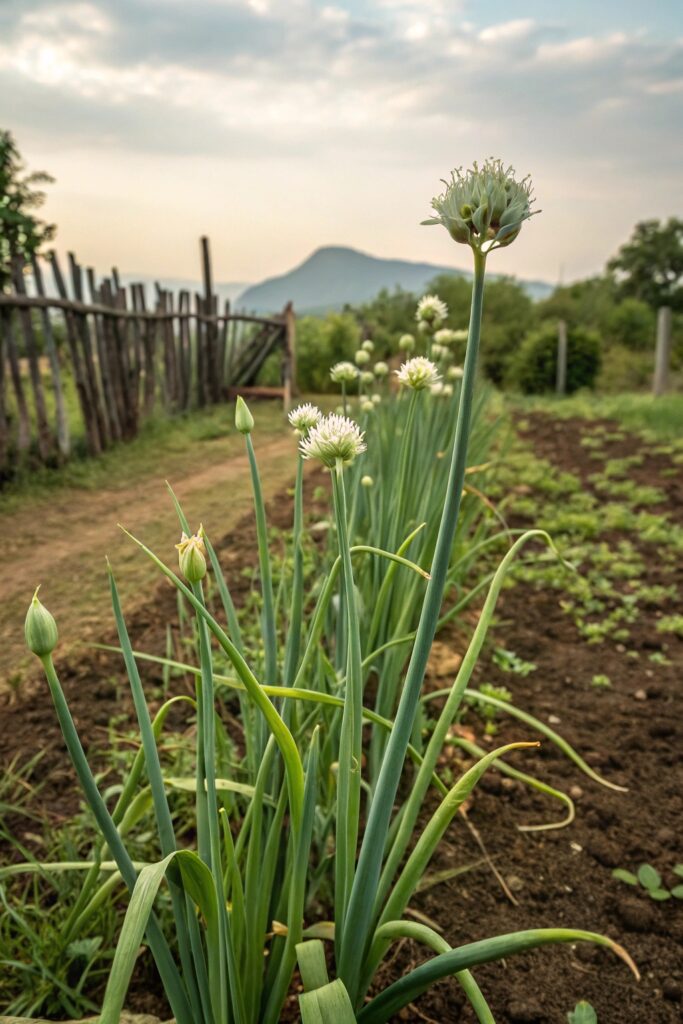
223, 289
335, 275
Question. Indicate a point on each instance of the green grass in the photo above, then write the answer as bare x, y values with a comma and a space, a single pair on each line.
162, 440
662, 417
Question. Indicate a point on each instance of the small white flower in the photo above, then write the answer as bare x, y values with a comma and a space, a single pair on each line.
368, 345
367, 377
362, 358
375, 399
418, 373
334, 438
431, 310
445, 336
366, 481
343, 373
304, 417
454, 372
381, 369
437, 387
447, 391
367, 406
406, 343
439, 351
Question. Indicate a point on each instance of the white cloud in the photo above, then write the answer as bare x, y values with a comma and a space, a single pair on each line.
519, 28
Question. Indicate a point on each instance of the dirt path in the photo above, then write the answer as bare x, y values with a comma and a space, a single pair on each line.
62, 543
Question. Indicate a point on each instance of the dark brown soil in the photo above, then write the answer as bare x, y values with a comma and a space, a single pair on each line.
558, 878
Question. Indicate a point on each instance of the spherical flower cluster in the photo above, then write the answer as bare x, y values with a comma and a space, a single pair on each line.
440, 351
406, 343
333, 439
381, 369
418, 373
454, 372
366, 481
362, 357
437, 387
485, 206
445, 336
304, 417
367, 405
431, 310
375, 399
368, 345
343, 373
367, 377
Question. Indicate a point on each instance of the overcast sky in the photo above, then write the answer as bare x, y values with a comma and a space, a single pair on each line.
276, 126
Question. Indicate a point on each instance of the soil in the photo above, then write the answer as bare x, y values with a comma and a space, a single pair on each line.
630, 732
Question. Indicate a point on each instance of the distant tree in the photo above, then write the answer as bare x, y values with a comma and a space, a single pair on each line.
22, 233
650, 265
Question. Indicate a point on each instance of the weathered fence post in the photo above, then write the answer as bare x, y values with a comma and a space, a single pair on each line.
45, 438
62, 422
663, 351
561, 373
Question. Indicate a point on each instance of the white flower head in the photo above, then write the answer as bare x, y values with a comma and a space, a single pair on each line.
418, 373
367, 405
439, 351
375, 399
445, 336
447, 391
333, 439
367, 377
304, 417
431, 310
406, 343
362, 358
368, 345
343, 373
454, 372
381, 369
437, 387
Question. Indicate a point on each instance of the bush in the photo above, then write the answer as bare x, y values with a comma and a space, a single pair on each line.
534, 367
321, 342
624, 370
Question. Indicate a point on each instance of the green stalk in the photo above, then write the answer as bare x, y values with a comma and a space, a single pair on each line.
170, 977
296, 605
358, 921
350, 740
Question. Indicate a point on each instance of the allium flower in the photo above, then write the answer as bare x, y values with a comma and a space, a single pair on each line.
380, 369
406, 343
343, 373
362, 358
304, 417
431, 310
334, 438
40, 629
366, 481
368, 345
485, 206
375, 399
418, 373
439, 351
367, 377
437, 387
454, 372
447, 391
445, 336
367, 405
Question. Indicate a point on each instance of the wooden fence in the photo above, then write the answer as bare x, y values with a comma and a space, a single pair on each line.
126, 360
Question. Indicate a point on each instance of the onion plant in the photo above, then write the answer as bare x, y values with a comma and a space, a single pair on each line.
242, 909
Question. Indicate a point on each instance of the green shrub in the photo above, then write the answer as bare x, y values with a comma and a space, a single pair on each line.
321, 342
534, 367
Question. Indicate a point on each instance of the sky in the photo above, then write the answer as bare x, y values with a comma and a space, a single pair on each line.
277, 126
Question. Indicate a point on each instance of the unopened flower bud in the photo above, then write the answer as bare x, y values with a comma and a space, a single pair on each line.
367, 405
362, 358
244, 421
192, 555
366, 481
367, 377
368, 345
406, 343
375, 399
40, 629
381, 369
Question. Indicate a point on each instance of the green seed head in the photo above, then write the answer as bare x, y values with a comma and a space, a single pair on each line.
485, 206
192, 556
244, 421
40, 629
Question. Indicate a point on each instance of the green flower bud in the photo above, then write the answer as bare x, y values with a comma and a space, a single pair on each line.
485, 206
192, 554
362, 358
40, 629
244, 421
366, 481
368, 345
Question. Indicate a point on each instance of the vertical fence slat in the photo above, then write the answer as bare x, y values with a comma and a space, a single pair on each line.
80, 378
45, 437
4, 424
104, 360
83, 330
61, 418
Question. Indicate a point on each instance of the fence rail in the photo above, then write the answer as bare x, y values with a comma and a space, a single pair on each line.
124, 360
